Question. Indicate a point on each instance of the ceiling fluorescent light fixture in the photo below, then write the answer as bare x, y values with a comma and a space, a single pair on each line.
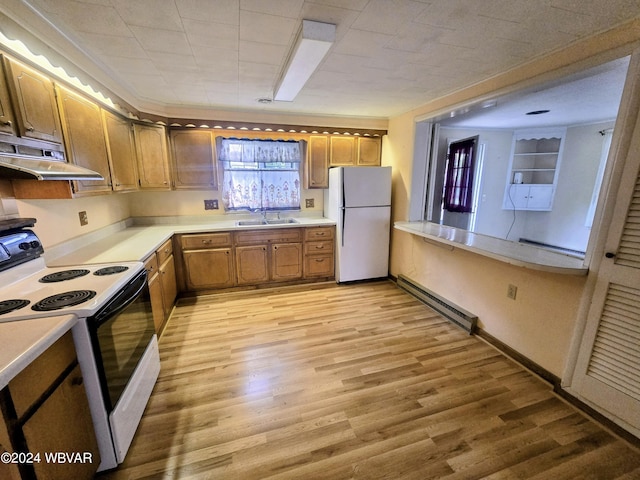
312, 43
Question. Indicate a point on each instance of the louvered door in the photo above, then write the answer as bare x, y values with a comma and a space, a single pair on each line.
607, 372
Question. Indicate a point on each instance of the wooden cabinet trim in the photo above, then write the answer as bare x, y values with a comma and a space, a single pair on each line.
31, 383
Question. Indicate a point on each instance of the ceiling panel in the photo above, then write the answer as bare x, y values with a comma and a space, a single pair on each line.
390, 55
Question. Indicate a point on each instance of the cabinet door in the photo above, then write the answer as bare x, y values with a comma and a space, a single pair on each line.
540, 197
121, 150
252, 264
157, 302
194, 165
7, 119
286, 261
317, 166
63, 424
516, 197
84, 139
153, 161
209, 268
369, 151
35, 102
343, 151
169, 285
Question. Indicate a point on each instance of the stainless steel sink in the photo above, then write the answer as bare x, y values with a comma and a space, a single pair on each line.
250, 222
281, 221
274, 221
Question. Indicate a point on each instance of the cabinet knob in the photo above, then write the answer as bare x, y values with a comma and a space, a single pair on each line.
207, 241
30, 129
7, 123
77, 381
610, 254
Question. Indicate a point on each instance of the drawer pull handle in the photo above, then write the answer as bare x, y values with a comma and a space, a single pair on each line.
206, 241
320, 247
320, 260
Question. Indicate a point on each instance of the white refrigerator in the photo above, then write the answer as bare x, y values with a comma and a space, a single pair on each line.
359, 200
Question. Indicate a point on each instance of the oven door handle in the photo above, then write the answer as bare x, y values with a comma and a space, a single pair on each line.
122, 299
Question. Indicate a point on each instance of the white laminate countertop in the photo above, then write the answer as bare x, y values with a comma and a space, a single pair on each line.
24, 341
136, 242
514, 253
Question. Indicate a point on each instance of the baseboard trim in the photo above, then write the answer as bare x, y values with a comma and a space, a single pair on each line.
543, 373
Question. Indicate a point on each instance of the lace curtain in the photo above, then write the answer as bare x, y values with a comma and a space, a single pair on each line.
260, 175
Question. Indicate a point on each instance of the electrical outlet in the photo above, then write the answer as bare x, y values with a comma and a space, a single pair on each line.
84, 220
211, 204
512, 290
309, 202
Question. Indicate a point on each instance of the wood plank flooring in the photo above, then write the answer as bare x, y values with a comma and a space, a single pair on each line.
352, 382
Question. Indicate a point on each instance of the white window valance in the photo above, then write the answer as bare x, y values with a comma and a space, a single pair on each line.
259, 151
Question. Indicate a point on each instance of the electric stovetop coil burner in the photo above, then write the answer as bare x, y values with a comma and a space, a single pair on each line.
7, 306
110, 270
62, 300
64, 275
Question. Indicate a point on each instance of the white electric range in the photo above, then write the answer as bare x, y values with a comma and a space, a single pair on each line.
115, 336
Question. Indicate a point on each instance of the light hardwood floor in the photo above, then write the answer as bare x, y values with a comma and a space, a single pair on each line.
352, 382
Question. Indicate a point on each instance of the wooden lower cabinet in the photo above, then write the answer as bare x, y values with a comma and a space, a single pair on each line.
163, 285
46, 412
286, 261
209, 268
256, 257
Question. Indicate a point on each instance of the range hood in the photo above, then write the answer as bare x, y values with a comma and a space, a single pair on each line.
19, 159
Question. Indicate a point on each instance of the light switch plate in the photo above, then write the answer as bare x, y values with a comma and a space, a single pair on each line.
84, 220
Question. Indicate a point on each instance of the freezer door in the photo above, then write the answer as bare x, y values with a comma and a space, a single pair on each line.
367, 186
363, 244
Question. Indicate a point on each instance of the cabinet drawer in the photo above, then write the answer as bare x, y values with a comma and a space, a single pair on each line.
151, 265
30, 384
206, 240
318, 233
318, 248
165, 251
276, 235
318, 266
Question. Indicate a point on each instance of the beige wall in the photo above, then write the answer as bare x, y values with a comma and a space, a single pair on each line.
155, 204
58, 221
540, 322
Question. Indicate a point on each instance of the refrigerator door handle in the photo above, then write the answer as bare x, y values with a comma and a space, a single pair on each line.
343, 215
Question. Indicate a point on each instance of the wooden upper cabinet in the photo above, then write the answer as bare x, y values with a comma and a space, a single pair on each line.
317, 165
84, 139
369, 151
194, 159
153, 160
35, 106
121, 150
343, 151
7, 119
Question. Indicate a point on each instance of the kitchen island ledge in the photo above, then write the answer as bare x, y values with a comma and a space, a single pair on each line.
511, 252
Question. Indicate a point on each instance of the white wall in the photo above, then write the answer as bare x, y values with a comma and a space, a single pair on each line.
564, 225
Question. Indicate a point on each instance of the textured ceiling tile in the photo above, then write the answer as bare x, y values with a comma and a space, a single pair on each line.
167, 41
282, 8
129, 66
361, 43
217, 11
258, 27
92, 19
149, 13
386, 16
109, 45
262, 53
211, 34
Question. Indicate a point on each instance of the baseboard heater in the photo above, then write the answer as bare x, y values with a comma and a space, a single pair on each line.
456, 314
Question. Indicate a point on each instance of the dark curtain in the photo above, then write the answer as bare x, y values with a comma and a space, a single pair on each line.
458, 186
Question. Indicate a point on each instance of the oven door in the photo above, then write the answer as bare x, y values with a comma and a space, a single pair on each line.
120, 333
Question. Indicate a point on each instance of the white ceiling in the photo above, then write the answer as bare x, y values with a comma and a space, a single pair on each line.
390, 55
